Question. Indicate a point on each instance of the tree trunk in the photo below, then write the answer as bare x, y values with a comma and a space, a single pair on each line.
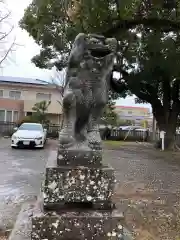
166, 116
170, 129
154, 129
170, 138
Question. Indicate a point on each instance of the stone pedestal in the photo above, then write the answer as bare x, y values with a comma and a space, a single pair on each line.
77, 224
76, 157
76, 199
70, 184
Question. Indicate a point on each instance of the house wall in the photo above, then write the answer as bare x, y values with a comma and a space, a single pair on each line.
54, 107
11, 110
28, 99
135, 114
10, 104
54, 118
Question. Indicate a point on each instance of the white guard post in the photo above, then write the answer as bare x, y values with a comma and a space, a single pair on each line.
162, 134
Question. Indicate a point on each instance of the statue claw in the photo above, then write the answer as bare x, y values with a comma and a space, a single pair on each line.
94, 140
66, 139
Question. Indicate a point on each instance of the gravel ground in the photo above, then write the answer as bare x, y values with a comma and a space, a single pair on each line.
147, 188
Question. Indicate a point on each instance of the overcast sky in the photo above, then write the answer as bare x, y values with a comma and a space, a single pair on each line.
19, 64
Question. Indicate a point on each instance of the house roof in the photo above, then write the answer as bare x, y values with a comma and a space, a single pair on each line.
6, 79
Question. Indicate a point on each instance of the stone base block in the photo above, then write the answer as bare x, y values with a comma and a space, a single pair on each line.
77, 225
79, 157
77, 184
34, 214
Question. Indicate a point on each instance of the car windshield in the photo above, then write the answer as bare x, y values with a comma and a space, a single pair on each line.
31, 127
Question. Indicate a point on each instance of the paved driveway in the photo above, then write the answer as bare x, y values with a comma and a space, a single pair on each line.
21, 171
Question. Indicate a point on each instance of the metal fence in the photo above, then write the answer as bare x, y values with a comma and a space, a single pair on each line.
129, 135
134, 135
7, 129
53, 131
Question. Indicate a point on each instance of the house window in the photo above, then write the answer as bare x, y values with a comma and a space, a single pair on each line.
9, 116
15, 116
2, 115
15, 94
129, 112
43, 96
29, 114
1, 93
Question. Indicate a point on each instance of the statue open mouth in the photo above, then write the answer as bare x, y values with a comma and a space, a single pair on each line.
99, 51
99, 46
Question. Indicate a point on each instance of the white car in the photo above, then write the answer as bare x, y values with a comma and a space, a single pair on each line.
141, 129
29, 134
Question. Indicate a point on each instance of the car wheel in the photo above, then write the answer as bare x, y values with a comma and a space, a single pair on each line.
13, 147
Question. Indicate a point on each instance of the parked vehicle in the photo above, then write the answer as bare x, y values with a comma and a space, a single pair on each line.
29, 134
142, 129
128, 128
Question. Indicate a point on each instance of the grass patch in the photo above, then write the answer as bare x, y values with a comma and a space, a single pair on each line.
114, 143
109, 144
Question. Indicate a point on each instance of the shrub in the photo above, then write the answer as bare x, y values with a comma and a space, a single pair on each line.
26, 119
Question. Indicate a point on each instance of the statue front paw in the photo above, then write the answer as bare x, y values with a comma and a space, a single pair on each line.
94, 140
66, 139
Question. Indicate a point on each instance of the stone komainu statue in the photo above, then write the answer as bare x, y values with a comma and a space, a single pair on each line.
86, 89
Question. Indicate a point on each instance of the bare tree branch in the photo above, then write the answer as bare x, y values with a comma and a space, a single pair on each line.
6, 34
6, 29
58, 81
6, 16
10, 49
